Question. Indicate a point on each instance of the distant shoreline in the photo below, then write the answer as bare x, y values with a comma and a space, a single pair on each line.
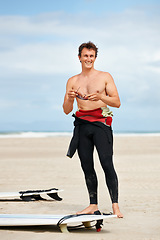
31, 134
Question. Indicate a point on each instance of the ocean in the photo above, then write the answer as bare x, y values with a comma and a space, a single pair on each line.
31, 134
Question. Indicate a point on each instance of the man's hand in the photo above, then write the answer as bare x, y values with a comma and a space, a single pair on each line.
94, 96
69, 101
71, 95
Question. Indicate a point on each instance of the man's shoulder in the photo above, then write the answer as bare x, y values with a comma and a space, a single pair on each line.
105, 75
73, 78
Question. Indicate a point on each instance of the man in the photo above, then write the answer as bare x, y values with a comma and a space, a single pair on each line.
93, 91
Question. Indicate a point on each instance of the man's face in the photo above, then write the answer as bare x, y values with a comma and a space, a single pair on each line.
87, 58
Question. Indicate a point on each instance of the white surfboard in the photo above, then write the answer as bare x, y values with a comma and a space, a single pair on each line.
30, 195
62, 221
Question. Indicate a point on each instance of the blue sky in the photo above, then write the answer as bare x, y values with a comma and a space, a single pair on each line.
38, 53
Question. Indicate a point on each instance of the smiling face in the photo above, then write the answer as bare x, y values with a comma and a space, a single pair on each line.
87, 58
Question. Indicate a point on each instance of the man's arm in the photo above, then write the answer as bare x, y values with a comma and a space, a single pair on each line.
112, 99
69, 97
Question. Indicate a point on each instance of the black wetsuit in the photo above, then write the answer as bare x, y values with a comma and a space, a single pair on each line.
86, 136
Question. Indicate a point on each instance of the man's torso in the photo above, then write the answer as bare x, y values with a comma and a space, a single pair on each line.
87, 85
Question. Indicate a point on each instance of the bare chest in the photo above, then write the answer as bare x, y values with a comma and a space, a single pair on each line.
88, 86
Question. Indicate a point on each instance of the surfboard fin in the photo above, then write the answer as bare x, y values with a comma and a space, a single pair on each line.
30, 195
99, 223
54, 196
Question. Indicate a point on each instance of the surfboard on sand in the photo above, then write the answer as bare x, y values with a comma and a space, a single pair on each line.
62, 221
31, 195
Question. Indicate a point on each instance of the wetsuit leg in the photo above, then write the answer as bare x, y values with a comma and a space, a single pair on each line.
85, 152
104, 149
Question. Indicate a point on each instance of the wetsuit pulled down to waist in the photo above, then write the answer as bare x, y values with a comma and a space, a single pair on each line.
100, 117
102, 114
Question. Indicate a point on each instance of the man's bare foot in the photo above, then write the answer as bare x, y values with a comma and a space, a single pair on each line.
116, 210
89, 210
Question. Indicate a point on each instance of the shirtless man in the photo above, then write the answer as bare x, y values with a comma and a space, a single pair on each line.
93, 91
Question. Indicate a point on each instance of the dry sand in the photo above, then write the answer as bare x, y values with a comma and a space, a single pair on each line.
41, 163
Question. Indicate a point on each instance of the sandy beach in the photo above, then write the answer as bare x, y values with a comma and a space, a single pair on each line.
41, 163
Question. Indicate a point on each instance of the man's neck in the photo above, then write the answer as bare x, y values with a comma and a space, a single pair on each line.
87, 72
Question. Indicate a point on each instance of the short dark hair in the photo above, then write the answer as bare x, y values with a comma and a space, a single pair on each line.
88, 45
